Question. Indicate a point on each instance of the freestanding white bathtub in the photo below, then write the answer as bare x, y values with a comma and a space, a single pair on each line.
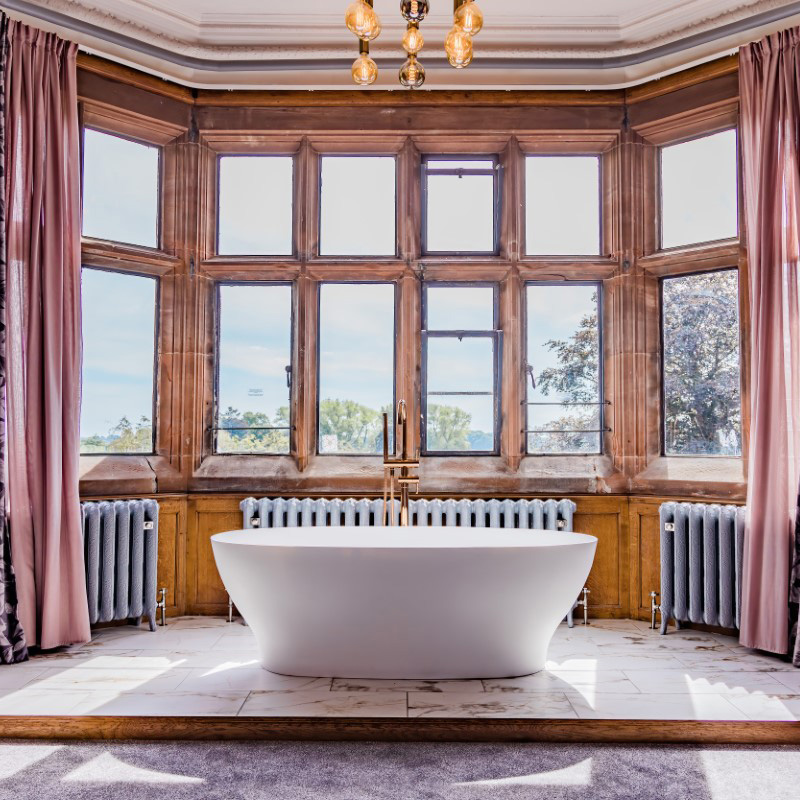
426, 603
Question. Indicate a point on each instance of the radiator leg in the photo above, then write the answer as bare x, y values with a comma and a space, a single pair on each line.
655, 609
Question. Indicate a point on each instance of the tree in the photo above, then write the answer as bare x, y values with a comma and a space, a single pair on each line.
246, 432
575, 378
702, 395
702, 409
349, 427
448, 428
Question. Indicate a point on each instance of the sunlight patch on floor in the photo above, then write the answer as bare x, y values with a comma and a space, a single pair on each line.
16, 758
576, 775
106, 768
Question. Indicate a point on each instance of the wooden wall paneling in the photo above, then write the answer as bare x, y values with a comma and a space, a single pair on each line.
645, 554
606, 518
205, 593
172, 553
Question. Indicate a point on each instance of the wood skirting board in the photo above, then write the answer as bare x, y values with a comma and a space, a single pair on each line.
400, 730
625, 571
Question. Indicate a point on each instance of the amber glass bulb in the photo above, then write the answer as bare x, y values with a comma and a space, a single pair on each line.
412, 74
362, 20
414, 10
469, 18
413, 41
458, 46
365, 70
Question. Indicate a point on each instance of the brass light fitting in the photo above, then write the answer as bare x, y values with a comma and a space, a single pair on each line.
362, 21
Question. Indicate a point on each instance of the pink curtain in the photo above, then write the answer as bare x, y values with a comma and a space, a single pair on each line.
44, 337
770, 124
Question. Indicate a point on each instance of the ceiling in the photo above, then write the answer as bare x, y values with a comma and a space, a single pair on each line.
303, 44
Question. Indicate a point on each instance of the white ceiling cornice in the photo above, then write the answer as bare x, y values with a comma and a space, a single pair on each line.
524, 44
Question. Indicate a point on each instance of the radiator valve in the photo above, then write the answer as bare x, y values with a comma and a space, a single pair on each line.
655, 608
161, 606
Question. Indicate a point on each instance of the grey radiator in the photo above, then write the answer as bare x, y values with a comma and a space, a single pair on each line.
701, 564
296, 512
120, 540
282, 512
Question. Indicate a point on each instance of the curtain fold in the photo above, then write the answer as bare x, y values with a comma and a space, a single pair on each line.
43, 335
770, 126
13, 647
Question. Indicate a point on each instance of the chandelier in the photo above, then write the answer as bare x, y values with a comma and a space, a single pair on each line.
362, 21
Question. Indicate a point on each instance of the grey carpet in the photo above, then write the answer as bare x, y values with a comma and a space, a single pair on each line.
363, 771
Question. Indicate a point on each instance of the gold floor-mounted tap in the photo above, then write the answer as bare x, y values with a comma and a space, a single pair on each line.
402, 466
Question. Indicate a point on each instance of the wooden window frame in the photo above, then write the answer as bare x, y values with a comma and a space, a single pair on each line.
496, 171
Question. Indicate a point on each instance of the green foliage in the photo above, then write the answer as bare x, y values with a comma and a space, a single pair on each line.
349, 427
448, 429
124, 437
236, 438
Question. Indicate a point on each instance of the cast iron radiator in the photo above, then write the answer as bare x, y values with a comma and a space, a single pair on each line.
120, 542
281, 512
701, 564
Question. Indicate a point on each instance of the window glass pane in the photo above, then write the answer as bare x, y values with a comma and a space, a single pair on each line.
357, 211
460, 413
460, 308
562, 205
563, 359
356, 366
699, 190
120, 189
460, 208
460, 424
255, 205
702, 399
460, 365
254, 365
119, 323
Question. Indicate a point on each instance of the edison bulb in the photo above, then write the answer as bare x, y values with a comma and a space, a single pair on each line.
469, 18
458, 46
414, 10
413, 41
365, 70
362, 20
412, 74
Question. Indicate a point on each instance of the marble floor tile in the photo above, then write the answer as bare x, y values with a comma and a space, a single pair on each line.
171, 704
118, 679
370, 685
192, 659
785, 707
655, 706
791, 680
15, 676
611, 681
614, 662
689, 682
238, 642
249, 678
537, 705
724, 662
41, 702
318, 703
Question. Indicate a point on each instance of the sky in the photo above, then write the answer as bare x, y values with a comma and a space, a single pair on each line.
699, 190
118, 349
357, 217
